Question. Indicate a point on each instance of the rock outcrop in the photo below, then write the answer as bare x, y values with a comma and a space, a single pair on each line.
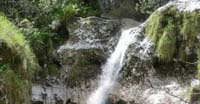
166, 74
91, 40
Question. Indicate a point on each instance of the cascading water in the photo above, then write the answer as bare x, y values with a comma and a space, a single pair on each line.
113, 66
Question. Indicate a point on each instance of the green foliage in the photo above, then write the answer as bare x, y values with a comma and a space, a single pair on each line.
19, 8
69, 11
42, 12
34, 17
66, 9
148, 6
37, 38
42, 39
71, 8
15, 42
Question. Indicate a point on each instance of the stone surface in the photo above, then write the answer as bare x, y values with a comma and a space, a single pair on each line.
143, 79
91, 40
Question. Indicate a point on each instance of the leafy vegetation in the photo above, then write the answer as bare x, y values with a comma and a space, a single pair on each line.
44, 11
35, 18
149, 6
78, 8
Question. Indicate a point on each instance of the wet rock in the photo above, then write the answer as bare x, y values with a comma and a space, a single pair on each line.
146, 80
90, 42
37, 102
77, 62
70, 102
94, 32
143, 79
121, 102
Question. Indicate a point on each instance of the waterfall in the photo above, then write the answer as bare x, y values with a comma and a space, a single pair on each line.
113, 66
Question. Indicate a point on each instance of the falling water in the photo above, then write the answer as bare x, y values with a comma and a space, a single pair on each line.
113, 66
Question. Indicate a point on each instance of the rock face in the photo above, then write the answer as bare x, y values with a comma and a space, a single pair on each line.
92, 32
164, 78
146, 78
91, 40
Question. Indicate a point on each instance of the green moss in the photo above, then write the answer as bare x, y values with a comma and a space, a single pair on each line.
15, 42
154, 27
167, 44
20, 63
172, 31
191, 26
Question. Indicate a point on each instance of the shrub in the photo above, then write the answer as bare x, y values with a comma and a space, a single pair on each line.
149, 6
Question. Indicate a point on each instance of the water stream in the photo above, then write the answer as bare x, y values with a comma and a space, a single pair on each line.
113, 66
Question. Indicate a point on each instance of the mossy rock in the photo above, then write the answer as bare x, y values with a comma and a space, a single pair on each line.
174, 32
17, 64
84, 64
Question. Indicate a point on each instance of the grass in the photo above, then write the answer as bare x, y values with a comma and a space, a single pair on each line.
17, 63
16, 89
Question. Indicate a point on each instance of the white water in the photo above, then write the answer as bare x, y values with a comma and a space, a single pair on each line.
113, 66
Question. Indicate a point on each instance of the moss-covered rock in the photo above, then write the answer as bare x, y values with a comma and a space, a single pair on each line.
17, 64
90, 41
175, 33
83, 64
175, 30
